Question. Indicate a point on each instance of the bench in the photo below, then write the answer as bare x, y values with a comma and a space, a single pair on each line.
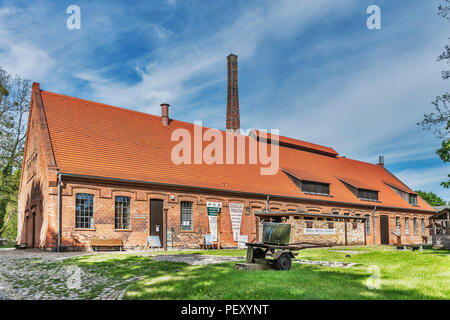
400, 246
106, 243
209, 246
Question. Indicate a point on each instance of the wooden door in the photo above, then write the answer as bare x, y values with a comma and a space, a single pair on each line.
384, 229
156, 219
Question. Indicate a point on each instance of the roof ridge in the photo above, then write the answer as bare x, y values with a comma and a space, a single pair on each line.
283, 136
364, 162
100, 103
132, 110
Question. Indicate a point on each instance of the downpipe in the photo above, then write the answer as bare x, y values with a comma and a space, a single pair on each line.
59, 213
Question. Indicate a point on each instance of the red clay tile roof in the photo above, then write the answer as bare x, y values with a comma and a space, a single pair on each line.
401, 187
358, 183
296, 144
304, 175
95, 139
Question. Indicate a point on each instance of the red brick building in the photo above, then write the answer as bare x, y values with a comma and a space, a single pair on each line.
96, 171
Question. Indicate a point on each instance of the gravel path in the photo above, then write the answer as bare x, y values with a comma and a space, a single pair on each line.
197, 259
39, 275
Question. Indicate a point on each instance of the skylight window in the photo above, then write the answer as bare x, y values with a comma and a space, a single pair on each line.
365, 194
315, 187
413, 199
310, 187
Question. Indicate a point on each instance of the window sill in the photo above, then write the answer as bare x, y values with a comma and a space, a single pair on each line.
362, 199
318, 194
123, 230
84, 229
187, 231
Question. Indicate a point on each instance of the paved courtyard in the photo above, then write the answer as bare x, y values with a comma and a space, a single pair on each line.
38, 275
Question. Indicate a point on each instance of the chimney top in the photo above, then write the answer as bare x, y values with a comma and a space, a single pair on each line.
381, 161
165, 114
36, 86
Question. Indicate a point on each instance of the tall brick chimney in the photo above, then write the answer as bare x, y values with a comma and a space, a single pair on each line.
165, 114
233, 118
381, 161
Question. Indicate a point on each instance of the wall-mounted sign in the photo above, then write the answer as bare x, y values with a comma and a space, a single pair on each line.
236, 218
214, 208
315, 231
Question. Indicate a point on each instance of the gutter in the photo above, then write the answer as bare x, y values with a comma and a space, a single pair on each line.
264, 195
59, 212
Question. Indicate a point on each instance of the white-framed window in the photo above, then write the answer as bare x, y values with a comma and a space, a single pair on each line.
406, 225
186, 215
367, 223
84, 211
397, 225
122, 212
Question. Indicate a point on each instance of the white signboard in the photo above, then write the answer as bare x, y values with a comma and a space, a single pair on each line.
242, 240
213, 209
314, 231
236, 218
153, 241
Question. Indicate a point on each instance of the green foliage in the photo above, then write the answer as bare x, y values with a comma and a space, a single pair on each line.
15, 95
444, 154
432, 198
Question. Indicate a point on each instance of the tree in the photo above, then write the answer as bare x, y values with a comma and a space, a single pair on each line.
439, 120
432, 198
15, 95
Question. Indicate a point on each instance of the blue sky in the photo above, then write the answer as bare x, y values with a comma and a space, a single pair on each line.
312, 69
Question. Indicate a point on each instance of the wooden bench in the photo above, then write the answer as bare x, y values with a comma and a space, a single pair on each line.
400, 246
106, 243
209, 246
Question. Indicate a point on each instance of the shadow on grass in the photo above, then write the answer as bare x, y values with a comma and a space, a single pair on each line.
170, 280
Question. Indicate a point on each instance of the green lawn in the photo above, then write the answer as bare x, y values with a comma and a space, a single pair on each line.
403, 275
8, 245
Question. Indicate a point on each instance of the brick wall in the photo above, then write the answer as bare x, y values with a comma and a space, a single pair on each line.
355, 231
104, 194
36, 209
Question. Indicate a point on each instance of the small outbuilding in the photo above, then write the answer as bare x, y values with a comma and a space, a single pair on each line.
319, 228
440, 226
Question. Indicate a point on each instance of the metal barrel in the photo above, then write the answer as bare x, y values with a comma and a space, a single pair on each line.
276, 233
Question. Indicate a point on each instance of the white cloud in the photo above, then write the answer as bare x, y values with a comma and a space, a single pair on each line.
426, 179
167, 77
25, 59
19, 56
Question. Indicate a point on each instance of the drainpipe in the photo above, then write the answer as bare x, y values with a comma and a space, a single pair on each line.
373, 223
267, 203
59, 212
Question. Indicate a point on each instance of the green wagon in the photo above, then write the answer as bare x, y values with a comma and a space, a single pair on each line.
275, 251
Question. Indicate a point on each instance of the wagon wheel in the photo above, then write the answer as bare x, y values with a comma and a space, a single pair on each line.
283, 262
